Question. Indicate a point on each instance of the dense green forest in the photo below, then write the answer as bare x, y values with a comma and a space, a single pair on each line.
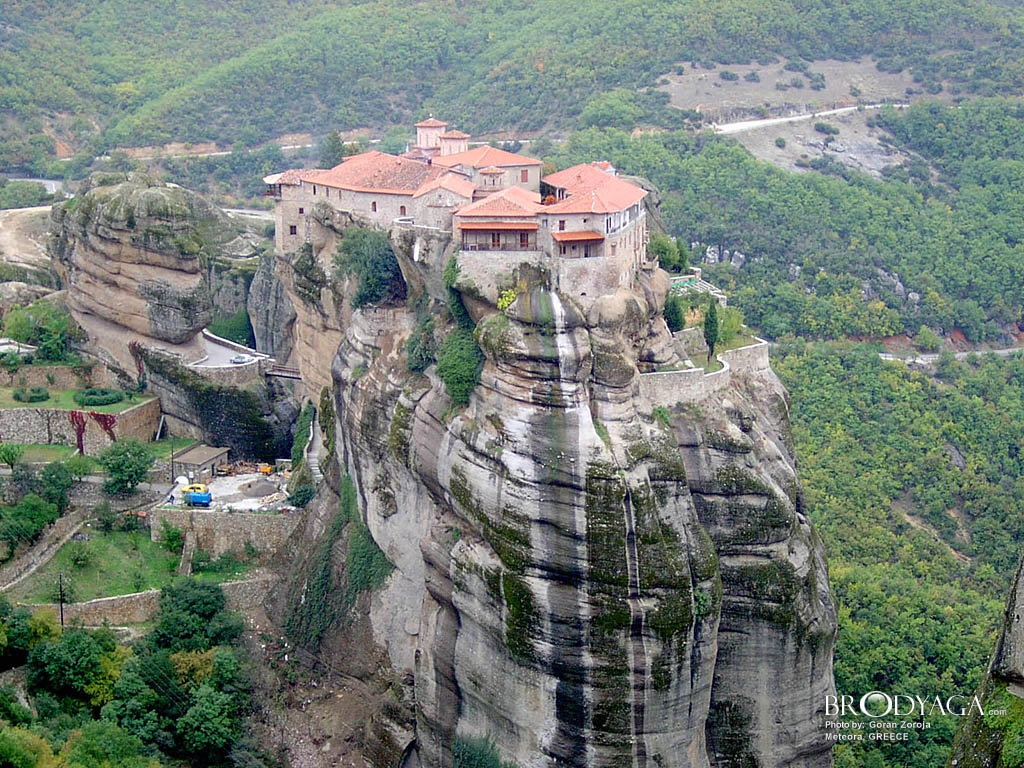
914, 482
178, 694
97, 75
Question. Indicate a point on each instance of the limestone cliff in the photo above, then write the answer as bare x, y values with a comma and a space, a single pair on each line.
583, 575
144, 263
131, 252
993, 739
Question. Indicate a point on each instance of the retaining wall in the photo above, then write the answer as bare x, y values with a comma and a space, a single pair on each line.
141, 607
51, 425
693, 384
64, 376
221, 532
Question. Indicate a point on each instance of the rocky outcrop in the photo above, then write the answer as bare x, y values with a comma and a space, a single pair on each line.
581, 576
130, 251
271, 311
992, 722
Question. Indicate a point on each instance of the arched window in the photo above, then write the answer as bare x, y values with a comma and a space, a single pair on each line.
401, 211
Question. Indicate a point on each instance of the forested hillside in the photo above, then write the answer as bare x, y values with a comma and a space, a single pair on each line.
87, 76
837, 254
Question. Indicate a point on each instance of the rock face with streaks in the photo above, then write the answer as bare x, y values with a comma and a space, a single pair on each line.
130, 251
584, 577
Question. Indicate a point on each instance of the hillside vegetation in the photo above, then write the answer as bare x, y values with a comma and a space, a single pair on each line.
87, 76
939, 243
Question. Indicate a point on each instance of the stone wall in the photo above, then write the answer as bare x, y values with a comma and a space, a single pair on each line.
220, 532
584, 279
52, 425
64, 376
140, 607
693, 384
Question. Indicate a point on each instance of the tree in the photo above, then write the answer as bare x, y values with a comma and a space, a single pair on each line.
11, 453
332, 150
711, 327
101, 743
12, 364
56, 480
665, 250
126, 462
675, 317
211, 723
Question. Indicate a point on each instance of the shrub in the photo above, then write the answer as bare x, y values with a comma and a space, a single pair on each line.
98, 396
826, 128
780, 142
302, 495
302, 433
729, 75
752, 77
421, 348
458, 364
172, 538
33, 395
367, 254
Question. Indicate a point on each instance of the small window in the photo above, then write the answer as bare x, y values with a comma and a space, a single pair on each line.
301, 210
373, 207
524, 240
495, 241
292, 229
524, 176
401, 210
561, 225
561, 249
314, 189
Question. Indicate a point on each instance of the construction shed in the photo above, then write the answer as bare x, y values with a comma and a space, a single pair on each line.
199, 462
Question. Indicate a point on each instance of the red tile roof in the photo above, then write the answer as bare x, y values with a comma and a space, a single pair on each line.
454, 135
481, 157
510, 202
292, 176
452, 182
376, 172
591, 190
432, 122
582, 236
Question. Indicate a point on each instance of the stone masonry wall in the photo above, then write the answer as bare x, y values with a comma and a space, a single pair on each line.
51, 425
64, 376
691, 385
141, 607
220, 532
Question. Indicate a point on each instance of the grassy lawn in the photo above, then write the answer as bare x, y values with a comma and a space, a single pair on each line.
162, 448
108, 564
40, 453
62, 398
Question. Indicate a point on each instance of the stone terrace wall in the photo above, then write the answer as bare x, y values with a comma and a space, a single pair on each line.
64, 376
141, 607
688, 386
584, 279
51, 425
235, 375
220, 532
483, 267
